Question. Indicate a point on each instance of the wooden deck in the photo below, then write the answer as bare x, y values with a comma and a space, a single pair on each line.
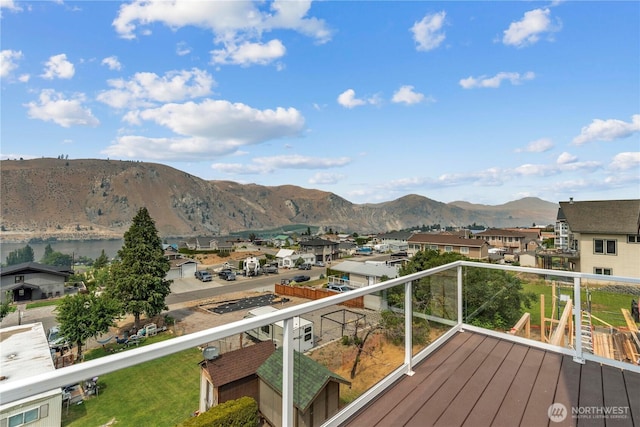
476, 380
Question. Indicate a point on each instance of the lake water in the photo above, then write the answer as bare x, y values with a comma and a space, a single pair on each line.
76, 248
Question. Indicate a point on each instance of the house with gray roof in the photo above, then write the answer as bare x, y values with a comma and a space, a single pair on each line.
316, 390
30, 281
603, 236
471, 248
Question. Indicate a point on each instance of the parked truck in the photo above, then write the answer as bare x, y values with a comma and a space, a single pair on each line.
303, 338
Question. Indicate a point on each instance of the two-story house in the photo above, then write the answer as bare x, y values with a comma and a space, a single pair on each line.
471, 248
324, 250
33, 281
604, 235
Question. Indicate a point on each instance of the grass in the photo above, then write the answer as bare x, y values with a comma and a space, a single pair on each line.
161, 392
604, 305
44, 303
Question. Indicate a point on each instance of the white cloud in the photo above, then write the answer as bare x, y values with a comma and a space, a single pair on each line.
608, 130
348, 99
249, 53
566, 158
528, 30
207, 130
58, 67
52, 106
236, 25
112, 62
264, 165
182, 49
148, 89
626, 161
495, 81
10, 5
428, 32
407, 95
8, 61
538, 146
323, 178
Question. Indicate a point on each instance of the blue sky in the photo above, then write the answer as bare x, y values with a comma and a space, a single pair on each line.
485, 102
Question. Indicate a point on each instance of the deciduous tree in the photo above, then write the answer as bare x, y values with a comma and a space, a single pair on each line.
138, 277
85, 315
20, 255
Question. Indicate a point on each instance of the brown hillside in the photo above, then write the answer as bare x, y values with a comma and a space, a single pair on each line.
87, 198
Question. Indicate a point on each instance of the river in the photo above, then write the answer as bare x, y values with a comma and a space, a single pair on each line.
76, 248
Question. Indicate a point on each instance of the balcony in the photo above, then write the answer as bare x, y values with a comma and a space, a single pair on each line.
576, 350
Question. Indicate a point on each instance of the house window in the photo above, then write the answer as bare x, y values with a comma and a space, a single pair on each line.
433, 247
448, 248
24, 417
631, 238
604, 246
603, 271
265, 329
307, 337
464, 250
19, 279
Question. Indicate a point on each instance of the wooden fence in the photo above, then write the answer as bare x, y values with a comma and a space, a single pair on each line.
308, 292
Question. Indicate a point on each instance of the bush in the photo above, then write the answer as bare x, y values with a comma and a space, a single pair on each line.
234, 413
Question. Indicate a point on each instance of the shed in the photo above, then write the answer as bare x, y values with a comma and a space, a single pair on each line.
232, 375
316, 390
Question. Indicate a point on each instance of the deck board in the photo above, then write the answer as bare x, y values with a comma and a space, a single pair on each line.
405, 409
518, 394
478, 380
543, 392
438, 403
460, 407
568, 389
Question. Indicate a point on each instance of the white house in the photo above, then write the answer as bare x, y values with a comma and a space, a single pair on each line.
24, 353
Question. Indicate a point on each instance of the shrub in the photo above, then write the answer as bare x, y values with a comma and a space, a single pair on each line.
234, 413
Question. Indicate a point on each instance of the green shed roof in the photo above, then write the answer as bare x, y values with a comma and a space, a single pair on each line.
309, 377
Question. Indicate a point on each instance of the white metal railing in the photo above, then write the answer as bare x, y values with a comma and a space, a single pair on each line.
23, 388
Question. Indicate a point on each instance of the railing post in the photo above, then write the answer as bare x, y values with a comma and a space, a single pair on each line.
287, 373
460, 318
577, 310
408, 327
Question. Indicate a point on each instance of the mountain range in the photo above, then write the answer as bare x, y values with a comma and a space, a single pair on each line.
90, 198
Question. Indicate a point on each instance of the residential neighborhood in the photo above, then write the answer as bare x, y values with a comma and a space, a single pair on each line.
590, 238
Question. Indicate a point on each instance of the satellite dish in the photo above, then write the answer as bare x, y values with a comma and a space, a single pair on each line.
210, 353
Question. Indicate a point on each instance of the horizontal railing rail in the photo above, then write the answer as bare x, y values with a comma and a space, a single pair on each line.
23, 388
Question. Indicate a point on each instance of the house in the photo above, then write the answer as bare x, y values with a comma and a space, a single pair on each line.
396, 241
359, 274
25, 353
287, 258
180, 266
513, 240
324, 250
232, 375
603, 236
471, 248
316, 390
33, 281
282, 240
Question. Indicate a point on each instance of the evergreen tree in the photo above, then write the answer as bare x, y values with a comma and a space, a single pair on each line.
52, 257
101, 261
138, 277
20, 255
85, 315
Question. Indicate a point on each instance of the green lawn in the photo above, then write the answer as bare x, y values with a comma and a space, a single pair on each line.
161, 392
44, 303
604, 305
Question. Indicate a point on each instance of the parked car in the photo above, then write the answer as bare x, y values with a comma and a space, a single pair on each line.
301, 278
319, 264
223, 273
56, 341
203, 275
273, 269
339, 288
230, 276
304, 266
